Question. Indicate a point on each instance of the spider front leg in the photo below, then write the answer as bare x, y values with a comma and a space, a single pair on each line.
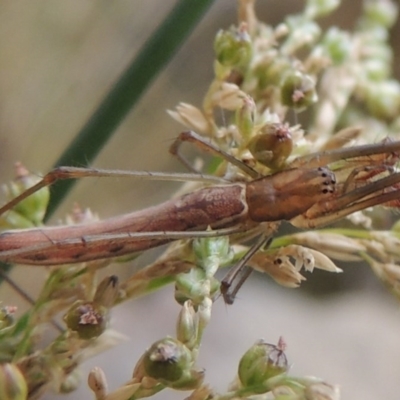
386, 152
207, 146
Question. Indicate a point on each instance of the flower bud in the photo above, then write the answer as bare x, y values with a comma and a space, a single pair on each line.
195, 286
272, 145
87, 319
337, 44
227, 96
376, 69
167, 360
383, 99
260, 363
186, 327
273, 72
211, 252
170, 362
298, 91
30, 211
191, 117
71, 382
233, 47
97, 382
319, 8
12, 383
382, 13
204, 314
303, 33
107, 291
245, 117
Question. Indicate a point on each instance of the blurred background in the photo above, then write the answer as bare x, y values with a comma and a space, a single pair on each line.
58, 59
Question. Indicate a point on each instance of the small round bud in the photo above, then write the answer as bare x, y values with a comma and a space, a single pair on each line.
319, 8
376, 69
87, 319
260, 363
233, 47
304, 33
298, 91
337, 44
272, 145
272, 73
167, 360
383, 13
383, 99
71, 382
12, 383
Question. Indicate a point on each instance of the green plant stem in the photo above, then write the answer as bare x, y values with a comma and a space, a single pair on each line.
152, 58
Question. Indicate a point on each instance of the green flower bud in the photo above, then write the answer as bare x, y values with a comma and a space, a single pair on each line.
383, 99
87, 319
376, 46
107, 291
298, 91
71, 382
211, 252
260, 363
233, 47
12, 383
30, 211
170, 362
195, 286
376, 69
186, 327
337, 44
304, 33
245, 117
272, 145
204, 314
320, 8
190, 286
272, 73
380, 12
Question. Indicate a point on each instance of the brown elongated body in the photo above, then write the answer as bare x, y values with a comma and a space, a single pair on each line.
307, 196
214, 206
239, 204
